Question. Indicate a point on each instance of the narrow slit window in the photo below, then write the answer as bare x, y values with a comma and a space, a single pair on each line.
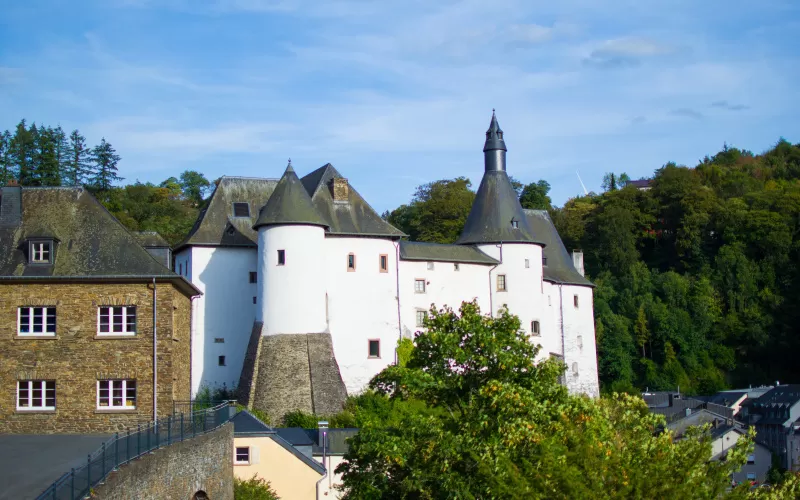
255, 300
281, 257
241, 210
351, 262
501, 282
514, 223
535, 328
221, 360
419, 286
253, 277
455, 267
374, 348
527, 263
575, 300
544, 260
383, 263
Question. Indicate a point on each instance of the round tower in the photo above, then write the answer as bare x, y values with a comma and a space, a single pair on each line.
291, 236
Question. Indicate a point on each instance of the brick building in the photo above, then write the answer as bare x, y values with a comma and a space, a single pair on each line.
83, 308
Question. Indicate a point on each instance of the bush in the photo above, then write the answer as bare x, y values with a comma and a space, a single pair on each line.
254, 488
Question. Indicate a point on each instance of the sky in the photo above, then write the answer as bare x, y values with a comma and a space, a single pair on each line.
400, 93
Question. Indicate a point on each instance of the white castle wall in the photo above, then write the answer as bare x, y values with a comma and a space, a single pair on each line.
580, 353
291, 297
362, 305
224, 311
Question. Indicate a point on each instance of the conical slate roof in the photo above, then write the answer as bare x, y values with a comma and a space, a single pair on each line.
289, 204
494, 136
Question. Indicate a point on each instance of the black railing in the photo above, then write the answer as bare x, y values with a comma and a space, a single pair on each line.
127, 446
195, 405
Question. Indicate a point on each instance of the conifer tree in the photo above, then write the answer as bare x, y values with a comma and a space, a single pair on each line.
47, 168
77, 164
21, 148
105, 166
6, 162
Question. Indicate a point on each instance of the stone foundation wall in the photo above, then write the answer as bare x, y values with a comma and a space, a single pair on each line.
178, 471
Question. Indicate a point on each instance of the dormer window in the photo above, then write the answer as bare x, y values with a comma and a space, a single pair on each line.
241, 210
515, 223
41, 252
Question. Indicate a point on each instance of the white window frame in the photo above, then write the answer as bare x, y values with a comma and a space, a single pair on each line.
417, 282
504, 288
124, 385
38, 250
236, 460
111, 332
30, 332
43, 387
421, 313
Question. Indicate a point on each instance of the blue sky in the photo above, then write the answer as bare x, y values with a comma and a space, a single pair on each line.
396, 94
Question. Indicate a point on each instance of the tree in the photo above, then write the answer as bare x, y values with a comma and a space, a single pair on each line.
46, 157
255, 488
534, 196
77, 164
7, 170
21, 147
609, 182
623, 179
507, 429
641, 330
105, 166
194, 185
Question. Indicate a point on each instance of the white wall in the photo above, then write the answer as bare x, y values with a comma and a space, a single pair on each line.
362, 305
292, 295
579, 340
327, 488
225, 310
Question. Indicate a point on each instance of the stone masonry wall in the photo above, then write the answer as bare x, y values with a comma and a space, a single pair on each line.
203, 463
77, 357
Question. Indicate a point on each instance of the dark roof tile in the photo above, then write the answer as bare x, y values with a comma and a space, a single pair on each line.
559, 268
414, 250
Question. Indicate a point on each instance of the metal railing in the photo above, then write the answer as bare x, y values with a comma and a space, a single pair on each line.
127, 446
195, 405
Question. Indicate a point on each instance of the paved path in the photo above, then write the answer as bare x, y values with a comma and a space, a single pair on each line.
28, 464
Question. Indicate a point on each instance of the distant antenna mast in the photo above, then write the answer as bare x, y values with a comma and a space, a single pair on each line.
585, 192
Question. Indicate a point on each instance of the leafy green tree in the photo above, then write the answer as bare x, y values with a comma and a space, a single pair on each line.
623, 180
104, 172
255, 488
77, 164
194, 185
508, 429
438, 211
534, 196
609, 182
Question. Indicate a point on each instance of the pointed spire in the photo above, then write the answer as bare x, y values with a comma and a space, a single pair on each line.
494, 136
289, 166
289, 203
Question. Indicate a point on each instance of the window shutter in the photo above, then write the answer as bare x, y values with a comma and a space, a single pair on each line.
254, 455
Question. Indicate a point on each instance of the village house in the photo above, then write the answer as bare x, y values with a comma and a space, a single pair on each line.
94, 329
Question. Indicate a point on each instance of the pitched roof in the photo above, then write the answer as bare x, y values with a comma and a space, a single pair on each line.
495, 207
289, 203
415, 250
89, 241
788, 395
559, 268
245, 422
354, 217
151, 239
217, 226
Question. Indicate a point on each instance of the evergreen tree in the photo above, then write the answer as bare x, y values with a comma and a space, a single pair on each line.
47, 169
105, 166
21, 148
6, 163
78, 160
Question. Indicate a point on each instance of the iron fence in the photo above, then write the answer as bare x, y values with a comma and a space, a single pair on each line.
195, 405
127, 446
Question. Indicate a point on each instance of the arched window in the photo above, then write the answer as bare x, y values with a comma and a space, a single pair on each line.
535, 328
200, 495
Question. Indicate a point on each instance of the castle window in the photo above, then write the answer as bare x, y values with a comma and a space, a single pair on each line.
580, 342
751, 459
255, 300
116, 394
514, 223
221, 360
116, 320
374, 348
501, 282
241, 210
575, 300
430, 266
219, 340
419, 286
281, 257
242, 455
527, 263
351, 262
180, 269
253, 277
535, 328
455, 267
36, 321
41, 252
36, 395
383, 263
422, 315
575, 369
544, 260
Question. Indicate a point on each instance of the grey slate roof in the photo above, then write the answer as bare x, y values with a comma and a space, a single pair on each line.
89, 242
151, 239
355, 217
216, 225
493, 210
289, 203
494, 136
559, 267
414, 250
245, 422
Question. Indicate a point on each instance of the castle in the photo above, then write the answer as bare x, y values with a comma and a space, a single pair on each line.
306, 289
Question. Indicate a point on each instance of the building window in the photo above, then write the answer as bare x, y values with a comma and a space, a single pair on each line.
255, 299
751, 476
221, 360
253, 277
580, 342
575, 300
374, 348
751, 459
419, 286
36, 395
219, 340
242, 455
116, 320
241, 210
501, 282
430, 266
544, 260
514, 223
351, 262
535, 328
527, 263
36, 321
281, 257
383, 263
455, 267
180, 269
116, 394
575, 369
421, 317
41, 252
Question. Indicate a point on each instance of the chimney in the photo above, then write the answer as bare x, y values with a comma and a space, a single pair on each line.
340, 190
11, 205
322, 434
577, 261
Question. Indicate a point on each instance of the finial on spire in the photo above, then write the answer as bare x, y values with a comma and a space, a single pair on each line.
289, 166
290, 161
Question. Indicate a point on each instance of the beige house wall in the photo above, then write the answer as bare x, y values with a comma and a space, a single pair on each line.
289, 476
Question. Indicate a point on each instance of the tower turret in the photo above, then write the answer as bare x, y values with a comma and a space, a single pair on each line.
494, 149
